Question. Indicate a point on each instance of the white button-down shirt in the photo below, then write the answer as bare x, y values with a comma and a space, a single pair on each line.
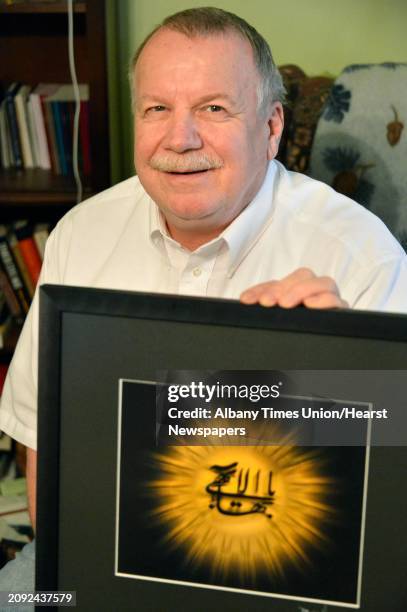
118, 240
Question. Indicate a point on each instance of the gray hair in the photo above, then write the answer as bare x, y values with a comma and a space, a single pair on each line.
207, 21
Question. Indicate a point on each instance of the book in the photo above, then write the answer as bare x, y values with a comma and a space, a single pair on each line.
20, 263
44, 159
44, 118
59, 136
65, 93
28, 249
4, 329
50, 127
12, 301
12, 271
5, 143
13, 126
33, 133
20, 102
67, 111
37, 127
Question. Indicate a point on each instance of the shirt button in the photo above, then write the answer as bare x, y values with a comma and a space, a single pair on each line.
197, 271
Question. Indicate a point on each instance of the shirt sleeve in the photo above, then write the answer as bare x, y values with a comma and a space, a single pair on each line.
382, 287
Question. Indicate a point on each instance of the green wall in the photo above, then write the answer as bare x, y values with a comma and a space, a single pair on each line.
321, 36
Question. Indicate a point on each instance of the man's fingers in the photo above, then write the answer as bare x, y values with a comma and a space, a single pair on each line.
325, 300
254, 294
269, 293
300, 287
299, 292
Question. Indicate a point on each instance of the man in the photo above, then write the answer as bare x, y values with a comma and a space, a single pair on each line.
210, 212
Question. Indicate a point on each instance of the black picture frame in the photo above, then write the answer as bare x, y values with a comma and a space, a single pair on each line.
92, 338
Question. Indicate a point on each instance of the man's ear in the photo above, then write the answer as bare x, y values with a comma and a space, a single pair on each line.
275, 124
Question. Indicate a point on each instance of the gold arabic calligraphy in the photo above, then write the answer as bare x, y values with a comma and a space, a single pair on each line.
239, 502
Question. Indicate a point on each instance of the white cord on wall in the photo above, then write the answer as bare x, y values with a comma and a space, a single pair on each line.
72, 69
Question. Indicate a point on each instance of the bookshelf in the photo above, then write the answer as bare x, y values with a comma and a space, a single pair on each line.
52, 6
34, 49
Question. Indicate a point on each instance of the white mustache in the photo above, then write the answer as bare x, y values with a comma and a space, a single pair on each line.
187, 162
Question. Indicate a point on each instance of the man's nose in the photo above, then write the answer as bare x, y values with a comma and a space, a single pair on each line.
182, 134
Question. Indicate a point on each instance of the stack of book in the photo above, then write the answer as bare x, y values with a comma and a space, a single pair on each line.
21, 254
37, 126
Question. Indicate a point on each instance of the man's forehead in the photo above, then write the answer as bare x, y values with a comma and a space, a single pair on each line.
165, 42
173, 64
207, 97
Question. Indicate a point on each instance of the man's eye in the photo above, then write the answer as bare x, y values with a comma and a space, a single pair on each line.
215, 108
155, 109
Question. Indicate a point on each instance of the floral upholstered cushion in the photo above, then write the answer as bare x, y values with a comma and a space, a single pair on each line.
360, 144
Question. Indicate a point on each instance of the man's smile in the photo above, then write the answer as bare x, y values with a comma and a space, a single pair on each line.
188, 172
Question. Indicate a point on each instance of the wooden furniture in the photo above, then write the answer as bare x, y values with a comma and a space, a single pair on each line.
34, 49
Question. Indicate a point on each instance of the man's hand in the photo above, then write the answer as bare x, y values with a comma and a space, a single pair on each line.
299, 287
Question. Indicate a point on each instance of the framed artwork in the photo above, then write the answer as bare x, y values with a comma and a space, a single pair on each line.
200, 454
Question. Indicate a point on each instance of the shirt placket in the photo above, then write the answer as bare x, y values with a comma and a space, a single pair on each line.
195, 276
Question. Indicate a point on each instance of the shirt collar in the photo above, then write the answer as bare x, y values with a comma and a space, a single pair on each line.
241, 235
157, 224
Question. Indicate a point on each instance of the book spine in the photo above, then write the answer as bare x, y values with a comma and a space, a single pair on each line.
44, 156
67, 133
4, 138
21, 115
21, 264
56, 112
28, 250
35, 147
12, 301
13, 274
13, 127
31, 257
4, 327
50, 129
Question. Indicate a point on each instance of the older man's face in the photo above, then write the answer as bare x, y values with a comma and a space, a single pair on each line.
201, 146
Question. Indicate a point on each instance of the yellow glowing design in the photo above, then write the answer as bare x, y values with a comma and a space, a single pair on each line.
252, 542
